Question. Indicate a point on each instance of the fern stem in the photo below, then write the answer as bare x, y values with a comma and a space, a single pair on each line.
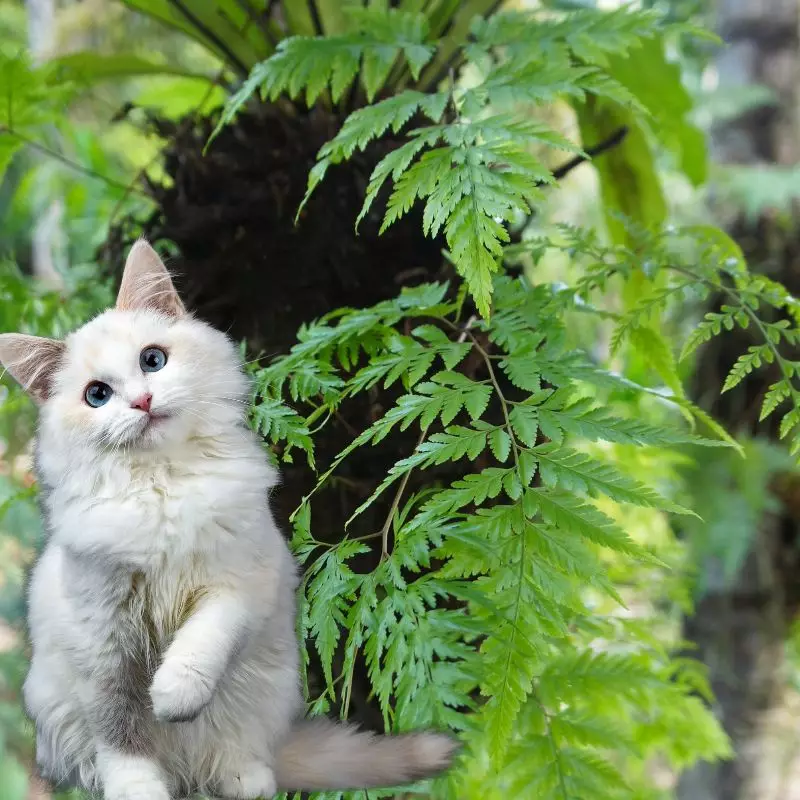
396, 503
261, 22
551, 737
218, 42
504, 403
720, 287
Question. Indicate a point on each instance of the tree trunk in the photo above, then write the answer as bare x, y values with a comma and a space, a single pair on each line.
740, 623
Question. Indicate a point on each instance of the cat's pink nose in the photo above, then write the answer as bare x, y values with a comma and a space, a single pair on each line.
143, 403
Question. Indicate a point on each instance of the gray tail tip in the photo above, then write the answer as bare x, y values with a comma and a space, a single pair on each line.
433, 752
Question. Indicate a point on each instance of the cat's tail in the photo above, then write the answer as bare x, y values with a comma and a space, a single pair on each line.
320, 754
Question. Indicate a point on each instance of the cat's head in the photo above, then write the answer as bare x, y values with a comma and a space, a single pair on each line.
144, 374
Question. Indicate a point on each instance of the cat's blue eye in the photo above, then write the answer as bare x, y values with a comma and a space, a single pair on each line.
152, 359
98, 394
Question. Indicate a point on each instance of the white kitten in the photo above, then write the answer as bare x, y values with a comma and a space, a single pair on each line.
162, 609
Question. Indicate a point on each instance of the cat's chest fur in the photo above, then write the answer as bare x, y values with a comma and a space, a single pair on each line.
156, 545
161, 534
179, 518
170, 517
178, 510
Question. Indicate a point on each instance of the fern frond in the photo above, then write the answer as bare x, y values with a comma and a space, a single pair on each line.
574, 516
579, 473
510, 546
476, 173
312, 65
590, 34
777, 394
583, 419
711, 326
746, 363
278, 423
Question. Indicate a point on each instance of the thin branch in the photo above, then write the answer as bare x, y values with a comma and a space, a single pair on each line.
271, 16
131, 187
504, 403
456, 58
462, 337
612, 141
384, 531
316, 20
559, 172
54, 154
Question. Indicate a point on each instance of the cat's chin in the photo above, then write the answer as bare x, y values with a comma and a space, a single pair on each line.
154, 431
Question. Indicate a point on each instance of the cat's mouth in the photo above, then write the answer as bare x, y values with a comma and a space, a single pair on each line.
153, 420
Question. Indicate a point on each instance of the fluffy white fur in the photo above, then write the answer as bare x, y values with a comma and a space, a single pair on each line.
161, 611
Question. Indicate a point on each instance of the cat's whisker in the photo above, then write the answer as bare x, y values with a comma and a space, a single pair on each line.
257, 359
226, 404
238, 398
196, 413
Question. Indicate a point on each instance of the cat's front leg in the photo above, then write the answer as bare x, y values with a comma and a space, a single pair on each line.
196, 660
125, 759
108, 659
126, 763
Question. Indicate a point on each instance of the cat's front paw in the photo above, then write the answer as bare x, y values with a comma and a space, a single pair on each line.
142, 790
127, 777
179, 692
252, 780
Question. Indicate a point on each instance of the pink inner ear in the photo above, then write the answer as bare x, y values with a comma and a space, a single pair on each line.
32, 361
146, 283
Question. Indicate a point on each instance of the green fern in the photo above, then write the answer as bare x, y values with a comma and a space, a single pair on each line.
476, 616
313, 65
476, 169
695, 262
517, 548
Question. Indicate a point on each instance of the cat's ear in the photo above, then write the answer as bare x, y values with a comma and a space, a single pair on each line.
31, 361
146, 283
